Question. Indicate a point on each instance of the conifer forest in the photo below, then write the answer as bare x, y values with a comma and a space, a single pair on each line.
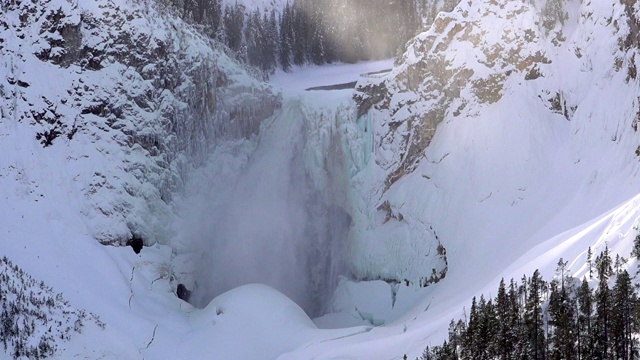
307, 31
561, 319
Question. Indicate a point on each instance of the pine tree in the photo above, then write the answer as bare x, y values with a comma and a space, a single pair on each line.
456, 331
270, 43
623, 322
603, 306
589, 262
533, 320
470, 350
486, 326
300, 26
285, 39
617, 265
253, 39
210, 16
317, 46
584, 299
233, 21
189, 9
516, 301
561, 312
574, 331
505, 321
426, 354
636, 247
330, 32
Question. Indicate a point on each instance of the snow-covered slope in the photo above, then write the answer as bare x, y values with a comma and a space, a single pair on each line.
502, 131
485, 124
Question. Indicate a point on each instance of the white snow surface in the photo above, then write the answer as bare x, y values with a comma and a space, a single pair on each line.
508, 187
299, 79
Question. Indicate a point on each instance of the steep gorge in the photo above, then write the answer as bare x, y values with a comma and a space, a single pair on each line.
499, 136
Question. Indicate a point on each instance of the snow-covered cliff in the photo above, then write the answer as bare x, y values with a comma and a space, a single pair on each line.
106, 107
127, 98
500, 110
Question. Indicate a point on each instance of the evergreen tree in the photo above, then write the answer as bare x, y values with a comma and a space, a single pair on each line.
533, 320
308, 31
285, 39
516, 301
317, 46
486, 326
426, 354
589, 262
561, 311
623, 322
619, 262
253, 35
469, 339
208, 13
300, 25
506, 323
233, 25
270, 42
585, 320
456, 331
636, 247
603, 307
189, 9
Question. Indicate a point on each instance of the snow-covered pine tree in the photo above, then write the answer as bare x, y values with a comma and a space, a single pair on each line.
603, 306
584, 299
270, 42
505, 339
623, 322
300, 24
233, 22
561, 315
533, 318
284, 57
636, 247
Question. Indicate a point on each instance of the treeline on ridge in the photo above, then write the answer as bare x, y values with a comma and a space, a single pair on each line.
309, 31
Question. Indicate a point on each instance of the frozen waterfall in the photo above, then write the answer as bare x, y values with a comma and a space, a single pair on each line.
270, 210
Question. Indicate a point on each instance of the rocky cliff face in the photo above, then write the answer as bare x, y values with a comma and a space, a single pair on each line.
130, 95
478, 61
441, 76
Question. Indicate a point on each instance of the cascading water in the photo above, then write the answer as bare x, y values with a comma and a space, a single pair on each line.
272, 222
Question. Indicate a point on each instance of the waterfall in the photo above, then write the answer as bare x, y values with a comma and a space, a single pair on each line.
279, 218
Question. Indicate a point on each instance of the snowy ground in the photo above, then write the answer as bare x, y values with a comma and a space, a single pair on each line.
312, 76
